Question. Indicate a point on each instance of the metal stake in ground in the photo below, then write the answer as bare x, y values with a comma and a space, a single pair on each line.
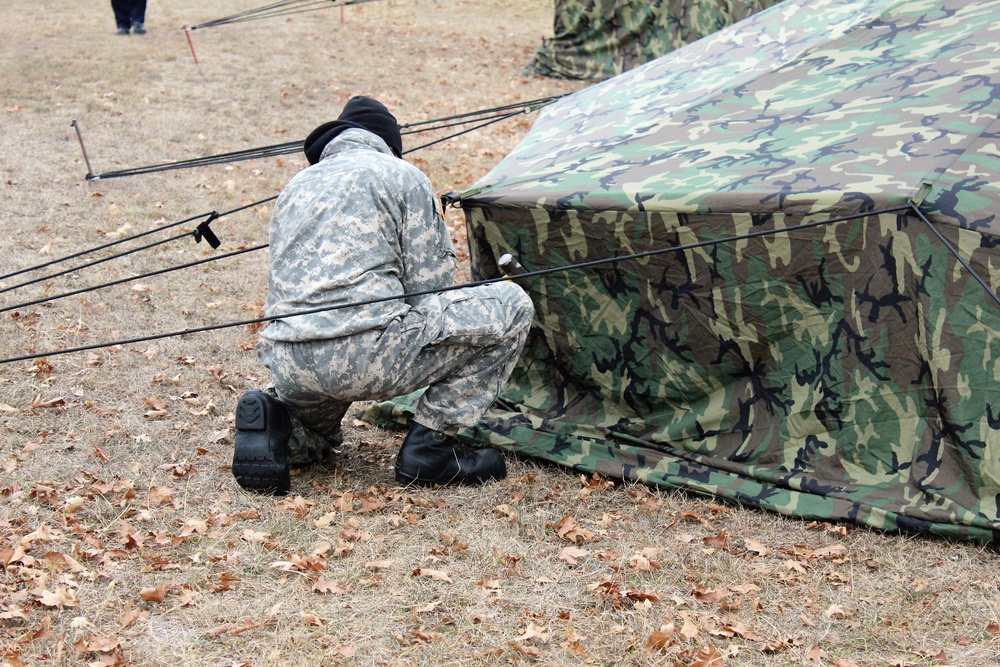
187, 33
79, 137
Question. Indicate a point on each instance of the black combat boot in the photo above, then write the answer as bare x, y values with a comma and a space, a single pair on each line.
429, 457
260, 461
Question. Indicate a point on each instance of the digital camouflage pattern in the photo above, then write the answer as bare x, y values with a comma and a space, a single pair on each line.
363, 225
596, 39
847, 371
360, 224
461, 345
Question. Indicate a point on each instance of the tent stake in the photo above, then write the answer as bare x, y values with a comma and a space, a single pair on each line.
79, 137
954, 251
187, 33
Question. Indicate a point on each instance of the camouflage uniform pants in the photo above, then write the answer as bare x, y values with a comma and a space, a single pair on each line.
461, 345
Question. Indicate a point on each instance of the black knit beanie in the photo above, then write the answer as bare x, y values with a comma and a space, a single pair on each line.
359, 112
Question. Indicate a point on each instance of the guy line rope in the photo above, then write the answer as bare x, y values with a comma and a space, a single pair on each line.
911, 208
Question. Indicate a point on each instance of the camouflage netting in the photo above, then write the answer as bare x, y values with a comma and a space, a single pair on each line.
596, 39
847, 371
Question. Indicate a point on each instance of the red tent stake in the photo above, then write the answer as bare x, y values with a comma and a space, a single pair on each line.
187, 33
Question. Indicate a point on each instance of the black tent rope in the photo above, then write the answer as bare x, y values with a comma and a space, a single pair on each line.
276, 150
95, 262
66, 258
536, 104
465, 131
520, 277
204, 230
122, 281
169, 269
284, 8
492, 115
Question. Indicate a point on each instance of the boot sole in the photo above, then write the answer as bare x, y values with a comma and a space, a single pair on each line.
254, 466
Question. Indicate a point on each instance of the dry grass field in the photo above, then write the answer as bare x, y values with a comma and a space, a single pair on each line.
124, 539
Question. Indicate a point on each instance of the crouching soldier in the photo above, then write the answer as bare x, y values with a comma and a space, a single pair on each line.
361, 224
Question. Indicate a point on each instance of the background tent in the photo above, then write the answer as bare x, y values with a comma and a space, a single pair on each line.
848, 370
597, 39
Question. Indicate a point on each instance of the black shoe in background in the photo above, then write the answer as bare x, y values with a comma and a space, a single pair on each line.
260, 459
139, 28
429, 457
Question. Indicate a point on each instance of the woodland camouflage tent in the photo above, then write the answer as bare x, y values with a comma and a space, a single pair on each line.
848, 370
596, 39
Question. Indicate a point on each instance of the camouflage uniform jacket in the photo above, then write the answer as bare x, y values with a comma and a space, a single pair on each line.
360, 224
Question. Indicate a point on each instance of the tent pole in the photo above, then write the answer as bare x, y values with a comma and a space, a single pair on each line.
954, 251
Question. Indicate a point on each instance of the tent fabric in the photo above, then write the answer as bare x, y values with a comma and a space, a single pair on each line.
596, 39
847, 371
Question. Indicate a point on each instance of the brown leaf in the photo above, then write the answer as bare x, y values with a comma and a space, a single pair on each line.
507, 512
572, 554
300, 562
642, 596
153, 594
828, 552
298, 506
708, 656
708, 595
817, 655
689, 630
58, 598
534, 632
427, 608
529, 651
436, 575
43, 631
219, 436
37, 403
568, 529
662, 638
15, 613
573, 642
324, 586
756, 547
235, 630
720, 540
426, 636
993, 628
97, 644
377, 565
12, 656
310, 619
640, 563
131, 538
253, 536
837, 611
130, 616
181, 469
